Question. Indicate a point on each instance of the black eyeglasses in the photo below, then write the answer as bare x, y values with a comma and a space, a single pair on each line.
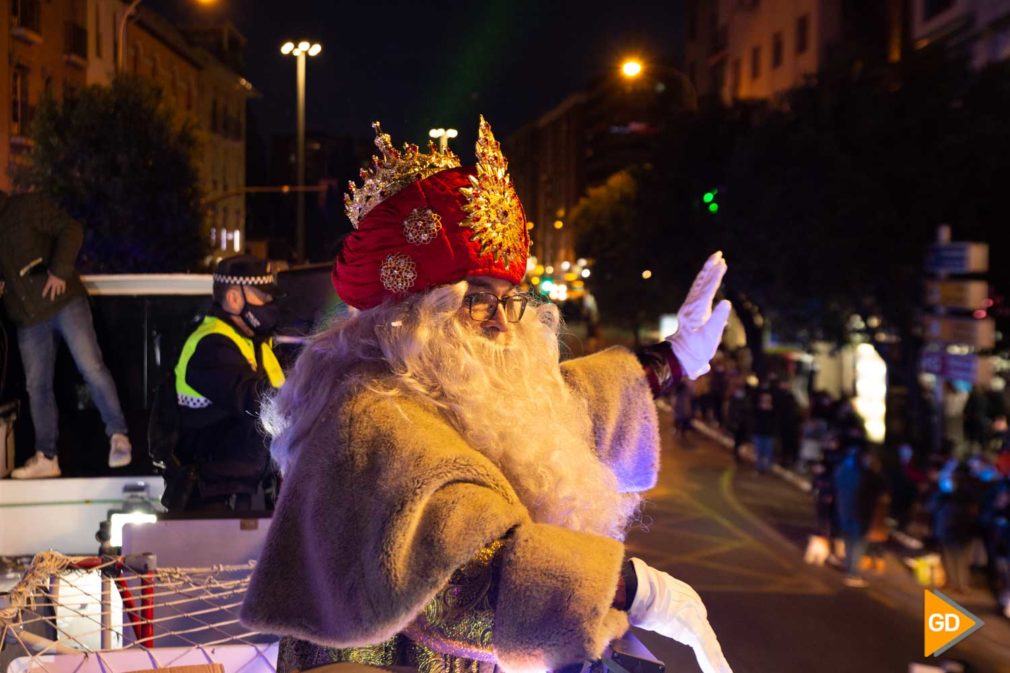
484, 305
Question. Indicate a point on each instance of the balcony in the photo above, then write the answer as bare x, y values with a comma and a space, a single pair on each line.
26, 20
75, 44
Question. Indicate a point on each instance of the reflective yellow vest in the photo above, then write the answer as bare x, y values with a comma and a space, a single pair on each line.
191, 398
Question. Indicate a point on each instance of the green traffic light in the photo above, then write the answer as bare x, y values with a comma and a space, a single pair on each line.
713, 208
709, 197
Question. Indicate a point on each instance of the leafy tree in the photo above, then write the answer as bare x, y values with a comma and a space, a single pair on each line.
828, 202
613, 231
116, 160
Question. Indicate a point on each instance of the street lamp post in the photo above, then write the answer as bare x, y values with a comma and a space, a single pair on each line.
443, 136
121, 31
300, 52
121, 53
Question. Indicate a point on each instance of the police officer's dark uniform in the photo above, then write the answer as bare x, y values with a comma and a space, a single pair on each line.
221, 378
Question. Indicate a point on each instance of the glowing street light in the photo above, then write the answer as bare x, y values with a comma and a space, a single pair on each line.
300, 51
631, 68
443, 136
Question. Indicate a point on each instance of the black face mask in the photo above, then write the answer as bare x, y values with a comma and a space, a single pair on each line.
262, 320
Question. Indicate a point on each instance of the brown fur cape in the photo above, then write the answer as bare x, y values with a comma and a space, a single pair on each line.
385, 500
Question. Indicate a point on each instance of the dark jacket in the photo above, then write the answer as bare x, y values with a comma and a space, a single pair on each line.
857, 490
38, 238
955, 517
224, 438
738, 413
765, 415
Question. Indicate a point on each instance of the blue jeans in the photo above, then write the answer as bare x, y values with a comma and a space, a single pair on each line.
764, 447
855, 549
38, 354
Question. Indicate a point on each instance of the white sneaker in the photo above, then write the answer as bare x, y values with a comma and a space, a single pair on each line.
120, 450
855, 582
38, 467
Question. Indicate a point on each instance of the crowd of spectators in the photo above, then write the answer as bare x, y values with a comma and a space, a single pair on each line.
956, 500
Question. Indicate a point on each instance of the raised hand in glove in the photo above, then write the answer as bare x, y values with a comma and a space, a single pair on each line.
671, 608
700, 327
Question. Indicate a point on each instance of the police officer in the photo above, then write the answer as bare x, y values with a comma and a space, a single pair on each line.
226, 367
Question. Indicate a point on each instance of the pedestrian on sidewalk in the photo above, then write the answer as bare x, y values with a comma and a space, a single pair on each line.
45, 298
683, 408
788, 417
718, 384
954, 401
857, 489
879, 531
765, 425
955, 526
995, 524
907, 483
976, 420
738, 417
823, 488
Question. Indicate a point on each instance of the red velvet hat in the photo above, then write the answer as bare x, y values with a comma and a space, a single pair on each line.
421, 220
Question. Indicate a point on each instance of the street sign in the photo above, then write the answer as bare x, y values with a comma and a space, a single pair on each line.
971, 367
979, 334
959, 257
956, 366
959, 294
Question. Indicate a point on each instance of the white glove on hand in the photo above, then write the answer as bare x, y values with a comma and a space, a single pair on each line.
673, 609
699, 328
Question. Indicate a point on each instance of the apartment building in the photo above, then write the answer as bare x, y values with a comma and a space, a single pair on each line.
57, 46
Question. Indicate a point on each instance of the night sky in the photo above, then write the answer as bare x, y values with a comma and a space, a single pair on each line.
417, 65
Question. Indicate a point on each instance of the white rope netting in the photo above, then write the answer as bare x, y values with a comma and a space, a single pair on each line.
100, 609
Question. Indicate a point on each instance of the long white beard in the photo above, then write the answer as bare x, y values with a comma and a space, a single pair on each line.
511, 404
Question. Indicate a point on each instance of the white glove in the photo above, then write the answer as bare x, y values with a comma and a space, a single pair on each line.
673, 609
699, 328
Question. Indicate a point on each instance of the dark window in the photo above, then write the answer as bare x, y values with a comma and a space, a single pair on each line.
802, 33
930, 8
692, 20
27, 14
755, 62
20, 113
776, 50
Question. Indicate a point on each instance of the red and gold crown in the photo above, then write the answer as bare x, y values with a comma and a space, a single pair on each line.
421, 220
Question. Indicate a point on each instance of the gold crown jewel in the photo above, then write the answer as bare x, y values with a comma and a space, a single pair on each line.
492, 206
393, 171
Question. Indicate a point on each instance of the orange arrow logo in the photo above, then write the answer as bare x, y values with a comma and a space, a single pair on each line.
945, 623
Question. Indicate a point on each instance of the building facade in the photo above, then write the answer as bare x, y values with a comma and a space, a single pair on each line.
761, 49
981, 28
610, 125
58, 46
46, 47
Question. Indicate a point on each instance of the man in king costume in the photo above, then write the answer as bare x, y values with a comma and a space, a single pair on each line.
455, 497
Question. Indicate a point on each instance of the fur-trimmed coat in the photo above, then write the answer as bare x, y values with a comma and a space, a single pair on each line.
385, 500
